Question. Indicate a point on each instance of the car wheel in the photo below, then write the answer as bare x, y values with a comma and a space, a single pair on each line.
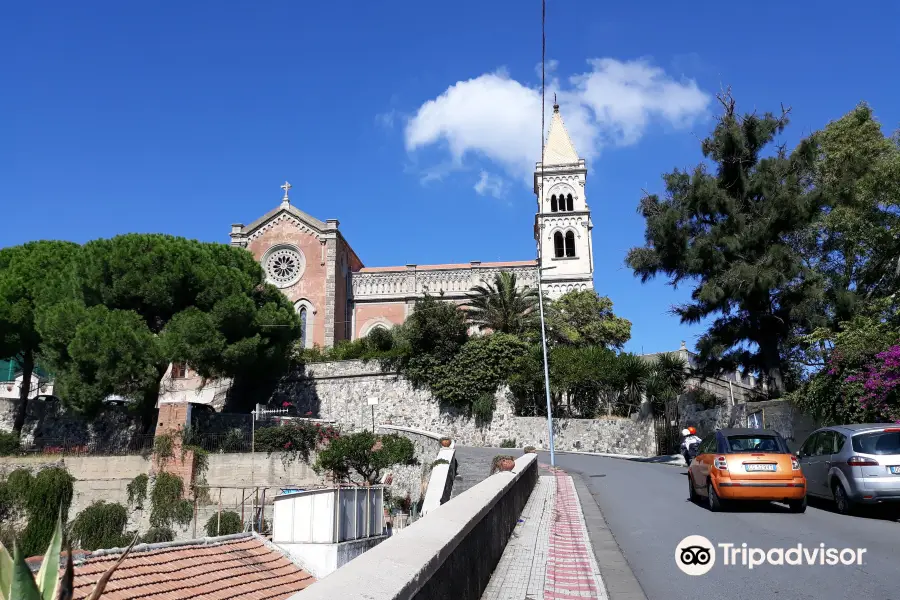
843, 503
692, 491
715, 504
798, 506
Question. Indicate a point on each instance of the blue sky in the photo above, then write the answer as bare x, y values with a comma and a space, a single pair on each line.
183, 119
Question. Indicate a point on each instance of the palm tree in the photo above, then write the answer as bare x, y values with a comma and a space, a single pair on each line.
667, 379
502, 306
635, 373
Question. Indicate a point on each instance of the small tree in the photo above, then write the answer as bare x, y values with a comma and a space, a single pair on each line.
227, 523
584, 318
364, 454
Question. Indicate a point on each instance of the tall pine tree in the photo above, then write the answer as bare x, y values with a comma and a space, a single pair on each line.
730, 234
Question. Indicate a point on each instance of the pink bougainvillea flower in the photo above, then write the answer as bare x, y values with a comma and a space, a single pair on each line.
285, 404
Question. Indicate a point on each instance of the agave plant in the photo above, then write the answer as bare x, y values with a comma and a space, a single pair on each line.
17, 582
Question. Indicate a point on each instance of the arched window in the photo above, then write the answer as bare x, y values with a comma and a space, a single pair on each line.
553, 203
570, 243
558, 245
303, 327
569, 202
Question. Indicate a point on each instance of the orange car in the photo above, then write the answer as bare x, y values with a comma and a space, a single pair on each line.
746, 464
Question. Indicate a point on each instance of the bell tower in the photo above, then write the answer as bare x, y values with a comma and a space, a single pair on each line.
562, 225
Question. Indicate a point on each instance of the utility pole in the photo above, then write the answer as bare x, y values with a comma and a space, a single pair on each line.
546, 366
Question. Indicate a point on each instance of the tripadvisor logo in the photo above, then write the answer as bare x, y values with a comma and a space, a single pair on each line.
696, 555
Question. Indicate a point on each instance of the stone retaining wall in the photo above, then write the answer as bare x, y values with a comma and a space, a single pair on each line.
107, 477
114, 428
779, 415
340, 391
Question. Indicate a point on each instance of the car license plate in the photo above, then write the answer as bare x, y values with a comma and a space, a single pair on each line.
895, 470
760, 467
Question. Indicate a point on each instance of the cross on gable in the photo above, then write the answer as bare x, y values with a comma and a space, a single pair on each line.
286, 187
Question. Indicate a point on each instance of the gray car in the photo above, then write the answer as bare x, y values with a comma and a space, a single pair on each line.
853, 464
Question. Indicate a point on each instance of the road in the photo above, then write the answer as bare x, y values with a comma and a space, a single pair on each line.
646, 508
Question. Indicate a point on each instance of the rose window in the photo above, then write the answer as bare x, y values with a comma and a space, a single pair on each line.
284, 266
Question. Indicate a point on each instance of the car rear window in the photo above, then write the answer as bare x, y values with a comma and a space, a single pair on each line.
879, 442
755, 443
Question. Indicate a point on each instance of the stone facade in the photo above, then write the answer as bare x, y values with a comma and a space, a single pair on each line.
340, 390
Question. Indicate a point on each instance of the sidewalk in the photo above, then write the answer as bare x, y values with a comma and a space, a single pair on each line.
549, 555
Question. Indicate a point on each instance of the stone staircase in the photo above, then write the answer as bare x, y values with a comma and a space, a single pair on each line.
474, 465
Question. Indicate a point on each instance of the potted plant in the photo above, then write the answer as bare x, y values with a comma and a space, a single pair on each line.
502, 462
445, 442
530, 450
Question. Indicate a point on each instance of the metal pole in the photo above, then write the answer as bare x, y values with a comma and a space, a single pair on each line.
252, 466
373, 418
546, 368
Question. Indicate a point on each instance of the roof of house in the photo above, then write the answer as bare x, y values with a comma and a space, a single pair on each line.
10, 369
233, 566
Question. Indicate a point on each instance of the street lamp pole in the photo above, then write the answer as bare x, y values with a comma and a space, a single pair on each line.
546, 367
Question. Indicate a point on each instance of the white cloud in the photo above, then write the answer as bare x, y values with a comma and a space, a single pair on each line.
491, 185
614, 103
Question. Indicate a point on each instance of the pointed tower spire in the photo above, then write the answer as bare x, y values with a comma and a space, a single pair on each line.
559, 149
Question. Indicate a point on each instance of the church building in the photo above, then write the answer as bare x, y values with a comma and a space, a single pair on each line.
339, 298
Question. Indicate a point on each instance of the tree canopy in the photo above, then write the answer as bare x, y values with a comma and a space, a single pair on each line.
730, 234
365, 455
502, 305
585, 318
31, 277
143, 301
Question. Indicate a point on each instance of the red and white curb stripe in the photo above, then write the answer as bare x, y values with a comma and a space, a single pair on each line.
572, 572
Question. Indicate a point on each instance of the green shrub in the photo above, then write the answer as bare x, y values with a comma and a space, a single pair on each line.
230, 523
294, 440
508, 443
167, 506
158, 535
48, 497
137, 491
9, 444
380, 340
530, 450
440, 461
101, 525
483, 408
477, 370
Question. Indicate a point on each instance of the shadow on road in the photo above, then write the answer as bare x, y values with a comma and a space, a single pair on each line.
882, 512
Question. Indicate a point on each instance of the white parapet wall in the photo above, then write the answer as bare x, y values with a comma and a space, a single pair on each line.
450, 554
440, 482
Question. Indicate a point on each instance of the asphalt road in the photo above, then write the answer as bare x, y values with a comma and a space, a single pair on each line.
646, 508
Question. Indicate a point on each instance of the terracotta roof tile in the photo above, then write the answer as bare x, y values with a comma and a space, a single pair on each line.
236, 567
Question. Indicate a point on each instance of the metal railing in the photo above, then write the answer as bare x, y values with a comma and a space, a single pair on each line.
224, 443
136, 445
